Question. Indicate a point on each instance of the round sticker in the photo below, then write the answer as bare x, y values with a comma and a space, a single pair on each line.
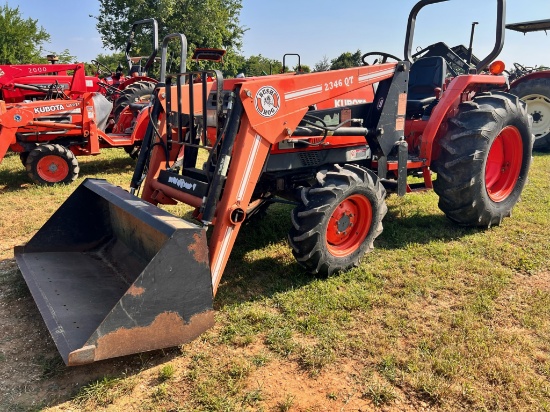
267, 101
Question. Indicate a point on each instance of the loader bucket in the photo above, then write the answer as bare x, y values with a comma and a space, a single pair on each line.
113, 275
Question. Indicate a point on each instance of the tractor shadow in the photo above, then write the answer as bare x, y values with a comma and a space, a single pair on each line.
261, 263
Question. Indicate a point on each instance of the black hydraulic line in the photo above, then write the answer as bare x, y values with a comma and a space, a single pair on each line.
31, 87
220, 174
342, 131
221, 134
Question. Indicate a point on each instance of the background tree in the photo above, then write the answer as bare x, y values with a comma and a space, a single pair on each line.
322, 65
304, 68
260, 66
346, 60
205, 23
64, 57
20, 40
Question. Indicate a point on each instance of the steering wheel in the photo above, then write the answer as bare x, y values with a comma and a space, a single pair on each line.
384, 56
520, 68
99, 66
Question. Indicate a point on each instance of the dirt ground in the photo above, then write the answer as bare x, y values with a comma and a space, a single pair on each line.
33, 376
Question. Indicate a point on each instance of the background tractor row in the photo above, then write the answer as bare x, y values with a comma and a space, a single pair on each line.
51, 117
532, 85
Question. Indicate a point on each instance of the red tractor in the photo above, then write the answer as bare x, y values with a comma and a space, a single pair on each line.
67, 119
24, 82
532, 85
113, 274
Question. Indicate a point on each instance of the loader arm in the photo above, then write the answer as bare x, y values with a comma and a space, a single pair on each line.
270, 111
259, 130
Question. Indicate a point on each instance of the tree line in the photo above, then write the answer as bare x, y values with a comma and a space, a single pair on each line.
22, 40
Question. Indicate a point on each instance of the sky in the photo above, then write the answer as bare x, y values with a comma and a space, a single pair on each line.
315, 29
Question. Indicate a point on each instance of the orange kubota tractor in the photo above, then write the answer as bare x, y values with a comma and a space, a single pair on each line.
113, 274
68, 119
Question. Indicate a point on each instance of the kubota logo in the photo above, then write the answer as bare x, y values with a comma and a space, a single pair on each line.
267, 101
348, 102
48, 109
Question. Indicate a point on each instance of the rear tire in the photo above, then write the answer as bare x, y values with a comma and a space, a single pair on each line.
339, 220
135, 92
536, 93
484, 161
52, 163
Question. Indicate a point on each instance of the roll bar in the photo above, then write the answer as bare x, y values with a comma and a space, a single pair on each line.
164, 55
500, 29
155, 41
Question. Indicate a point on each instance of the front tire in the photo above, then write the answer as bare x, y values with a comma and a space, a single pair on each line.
338, 221
52, 163
484, 161
536, 93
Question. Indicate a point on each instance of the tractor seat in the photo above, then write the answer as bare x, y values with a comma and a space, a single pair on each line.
425, 75
135, 71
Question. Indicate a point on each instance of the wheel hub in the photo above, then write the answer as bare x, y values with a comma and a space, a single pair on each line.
538, 106
52, 168
349, 225
503, 164
344, 222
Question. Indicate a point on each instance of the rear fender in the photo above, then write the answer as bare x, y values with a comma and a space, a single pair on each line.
450, 99
543, 74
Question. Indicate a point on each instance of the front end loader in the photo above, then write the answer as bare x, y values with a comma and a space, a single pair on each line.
113, 274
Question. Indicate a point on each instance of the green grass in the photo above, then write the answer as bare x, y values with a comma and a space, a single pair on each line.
103, 392
453, 318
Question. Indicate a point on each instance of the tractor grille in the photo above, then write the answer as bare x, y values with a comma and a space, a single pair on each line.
309, 159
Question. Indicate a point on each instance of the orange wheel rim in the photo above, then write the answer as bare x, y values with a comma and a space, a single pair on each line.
349, 225
504, 164
52, 169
